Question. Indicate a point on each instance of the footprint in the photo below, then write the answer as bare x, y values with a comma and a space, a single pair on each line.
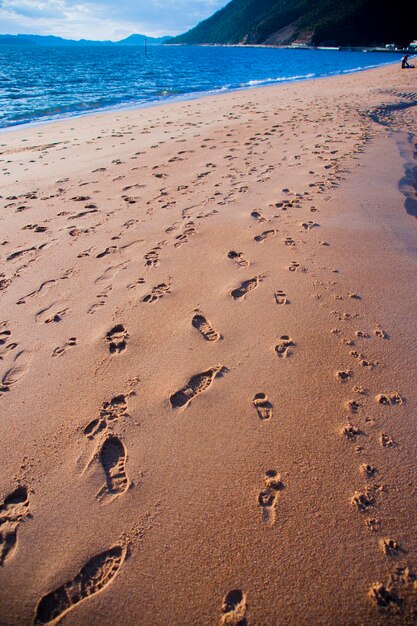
95, 307
16, 372
296, 267
52, 313
283, 347
389, 546
109, 412
13, 511
265, 235
258, 216
110, 273
262, 406
109, 250
234, 608
113, 459
246, 287
238, 258
351, 432
389, 399
267, 498
157, 293
93, 577
281, 297
45, 286
5, 335
152, 258
308, 225
363, 501
353, 406
72, 341
116, 338
205, 328
189, 229
196, 385
384, 598
386, 441
367, 470
139, 281
344, 376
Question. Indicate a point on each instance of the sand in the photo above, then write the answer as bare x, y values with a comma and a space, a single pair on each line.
208, 348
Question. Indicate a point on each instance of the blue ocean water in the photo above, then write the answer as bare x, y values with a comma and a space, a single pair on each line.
43, 82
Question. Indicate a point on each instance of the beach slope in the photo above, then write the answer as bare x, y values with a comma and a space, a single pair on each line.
208, 348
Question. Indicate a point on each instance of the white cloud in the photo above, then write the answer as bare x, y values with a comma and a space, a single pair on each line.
103, 19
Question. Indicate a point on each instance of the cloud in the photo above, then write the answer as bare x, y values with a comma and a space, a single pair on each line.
103, 19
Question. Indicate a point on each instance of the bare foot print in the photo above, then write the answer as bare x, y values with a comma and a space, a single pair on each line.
93, 577
384, 598
113, 459
389, 547
246, 287
189, 229
386, 441
157, 293
152, 257
52, 313
262, 406
363, 501
265, 235
344, 375
367, 470
205, 328
296, 267
238, 258
196, 385
234, 609
281, 297
389, 399
5, 334
16, 371
351, 432
71, 342
116, 337
283, 347
109, 413
13, 511
258, 216
267, 498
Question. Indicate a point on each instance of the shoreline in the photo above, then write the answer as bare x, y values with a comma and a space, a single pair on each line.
207, 360
191, 96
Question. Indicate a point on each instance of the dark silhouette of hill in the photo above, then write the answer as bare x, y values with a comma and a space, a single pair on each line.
334, 22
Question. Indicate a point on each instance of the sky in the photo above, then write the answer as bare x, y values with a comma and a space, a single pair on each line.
103, 19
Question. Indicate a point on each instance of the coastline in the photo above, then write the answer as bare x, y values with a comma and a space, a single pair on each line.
207, 359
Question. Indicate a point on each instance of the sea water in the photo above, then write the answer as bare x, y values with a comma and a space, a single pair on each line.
39, 82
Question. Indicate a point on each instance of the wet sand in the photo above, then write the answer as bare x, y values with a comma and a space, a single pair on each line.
208, 348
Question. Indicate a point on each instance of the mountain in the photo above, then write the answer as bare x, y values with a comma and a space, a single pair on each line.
50, 40
315, 22
44, 40
139, 40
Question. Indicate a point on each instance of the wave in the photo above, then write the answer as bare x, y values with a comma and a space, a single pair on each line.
278, 79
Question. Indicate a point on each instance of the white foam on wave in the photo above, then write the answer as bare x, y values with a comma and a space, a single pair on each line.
278, 79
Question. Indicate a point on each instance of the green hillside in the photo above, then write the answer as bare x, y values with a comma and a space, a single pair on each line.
341, 22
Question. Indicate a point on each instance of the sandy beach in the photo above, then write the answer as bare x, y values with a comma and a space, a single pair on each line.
207, 353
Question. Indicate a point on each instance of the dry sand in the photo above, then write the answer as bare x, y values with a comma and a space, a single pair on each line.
208, 349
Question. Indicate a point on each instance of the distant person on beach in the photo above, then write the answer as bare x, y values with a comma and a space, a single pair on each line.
404, 62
